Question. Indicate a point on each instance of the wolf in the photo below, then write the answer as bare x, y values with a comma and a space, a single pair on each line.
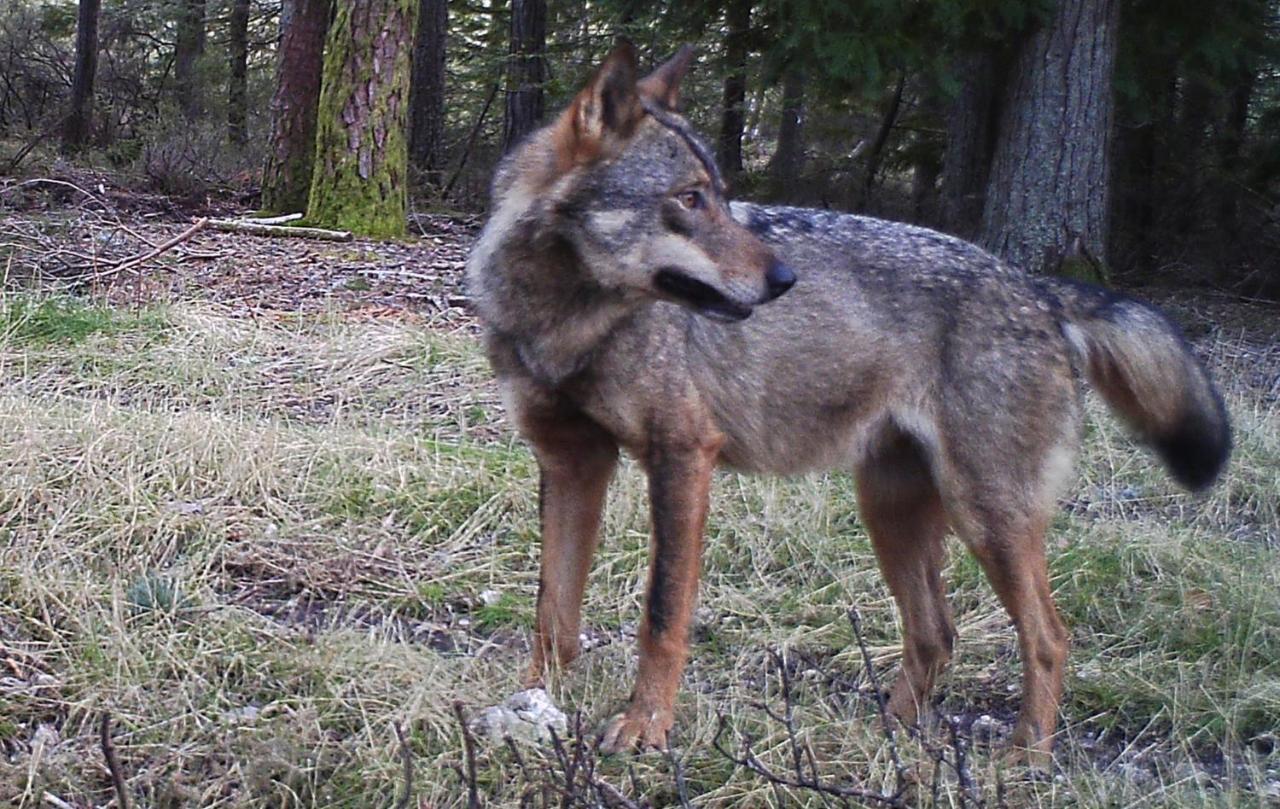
629, 306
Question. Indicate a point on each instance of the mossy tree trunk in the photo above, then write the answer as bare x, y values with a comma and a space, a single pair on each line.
362, 153
286, 180
426, 92
1047, 196
78, 123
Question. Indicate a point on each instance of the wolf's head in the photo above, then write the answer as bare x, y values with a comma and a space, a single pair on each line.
624, 180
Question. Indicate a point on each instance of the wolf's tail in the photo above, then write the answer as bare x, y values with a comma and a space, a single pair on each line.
1140, 363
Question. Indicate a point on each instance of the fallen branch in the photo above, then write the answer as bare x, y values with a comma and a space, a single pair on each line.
113, 764
469, 747
272, 220
406, 758
130, 263
259, 229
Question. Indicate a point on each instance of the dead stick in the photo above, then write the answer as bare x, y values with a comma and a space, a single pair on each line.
469, 746
113, 764
406, 758
257, 229
130, 263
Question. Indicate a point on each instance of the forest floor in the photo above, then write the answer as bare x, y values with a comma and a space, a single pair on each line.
260, 505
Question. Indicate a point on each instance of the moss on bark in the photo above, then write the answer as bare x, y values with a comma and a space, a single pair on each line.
361, 160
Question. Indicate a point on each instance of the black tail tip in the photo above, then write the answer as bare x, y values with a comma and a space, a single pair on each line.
1197, 450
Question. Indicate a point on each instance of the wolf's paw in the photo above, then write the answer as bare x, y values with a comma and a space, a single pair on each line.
1026, 749
640, 728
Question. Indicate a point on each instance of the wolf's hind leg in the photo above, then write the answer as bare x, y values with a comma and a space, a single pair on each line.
576, 459
903, 512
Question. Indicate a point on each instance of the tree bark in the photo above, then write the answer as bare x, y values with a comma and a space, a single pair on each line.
1047, 194
79, 121
733, 115
426, 90
237, 87
526, 71
186, 55
971, 130
787, 163
286, 179
362, 155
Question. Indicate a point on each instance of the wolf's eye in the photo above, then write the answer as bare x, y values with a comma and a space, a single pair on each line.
690, 200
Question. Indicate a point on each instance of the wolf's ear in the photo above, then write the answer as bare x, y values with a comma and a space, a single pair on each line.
662, 86
606, 111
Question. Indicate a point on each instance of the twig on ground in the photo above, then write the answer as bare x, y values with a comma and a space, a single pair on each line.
406, 758
113, 764
751, 762
677, 773
882, 707
469, 746
130, 263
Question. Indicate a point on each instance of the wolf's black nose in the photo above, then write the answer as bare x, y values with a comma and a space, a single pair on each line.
780, 278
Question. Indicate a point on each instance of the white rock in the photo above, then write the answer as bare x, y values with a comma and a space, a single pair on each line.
490, 597
526, 716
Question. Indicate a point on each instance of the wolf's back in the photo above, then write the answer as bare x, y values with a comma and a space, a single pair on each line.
1141, 364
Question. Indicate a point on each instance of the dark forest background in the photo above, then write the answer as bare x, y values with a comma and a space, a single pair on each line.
1130, 140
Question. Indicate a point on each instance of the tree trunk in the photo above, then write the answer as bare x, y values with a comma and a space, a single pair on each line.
875, 154
1047, 195
186, 55
526, 71
732, 117
237, 88
362, 154
79, 121
1230, 143
286, 180
426, 90
788, 160
971, 130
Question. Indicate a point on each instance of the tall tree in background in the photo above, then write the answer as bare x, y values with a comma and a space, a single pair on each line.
526, 70
286, 180
237, 86
1047, 194
426, 89
733, 113
187, 51
358, 181
79, 121
787, 162
971, 129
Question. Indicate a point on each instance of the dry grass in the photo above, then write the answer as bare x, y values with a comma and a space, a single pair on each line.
261, 544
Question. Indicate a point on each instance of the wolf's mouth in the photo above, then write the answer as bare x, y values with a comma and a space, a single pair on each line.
702, 298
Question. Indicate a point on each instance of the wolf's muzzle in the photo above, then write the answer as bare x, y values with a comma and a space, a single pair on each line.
780, 278
702, 298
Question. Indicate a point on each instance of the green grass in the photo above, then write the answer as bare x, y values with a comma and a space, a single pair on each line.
262, 544
36, 321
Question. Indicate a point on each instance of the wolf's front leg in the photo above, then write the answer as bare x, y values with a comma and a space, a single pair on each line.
576, 459
679, 482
